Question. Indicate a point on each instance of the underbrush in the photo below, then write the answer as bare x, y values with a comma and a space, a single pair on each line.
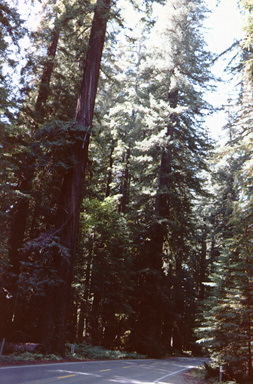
89, 352
27, 356
207, 375
73, 352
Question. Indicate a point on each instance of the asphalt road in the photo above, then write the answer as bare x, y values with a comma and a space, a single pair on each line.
100, 372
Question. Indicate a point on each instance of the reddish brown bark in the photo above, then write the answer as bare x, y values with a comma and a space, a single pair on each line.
72, 188
68, 214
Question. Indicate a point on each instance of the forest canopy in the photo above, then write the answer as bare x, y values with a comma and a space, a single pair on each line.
124, 223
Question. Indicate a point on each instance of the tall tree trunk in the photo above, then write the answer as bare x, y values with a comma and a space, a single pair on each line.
109, 176
203, 265
84, 309
95, 328
67, 218
73, 183
249, 336
44, 88
19, 215
125, 183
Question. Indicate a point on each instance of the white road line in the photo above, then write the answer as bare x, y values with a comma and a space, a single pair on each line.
171, 374
76, 373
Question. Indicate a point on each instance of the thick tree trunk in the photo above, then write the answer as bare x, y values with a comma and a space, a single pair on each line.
72, 188
18, 225
19, 214
67, 218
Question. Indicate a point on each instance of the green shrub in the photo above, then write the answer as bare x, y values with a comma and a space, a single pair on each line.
86, 351
29, 356
82, 351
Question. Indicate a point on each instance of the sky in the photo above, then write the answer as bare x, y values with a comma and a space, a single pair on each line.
225, 24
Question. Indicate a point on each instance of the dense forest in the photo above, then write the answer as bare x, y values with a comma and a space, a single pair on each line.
124, 224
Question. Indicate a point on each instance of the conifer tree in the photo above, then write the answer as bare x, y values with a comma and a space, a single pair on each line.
147, 130
26, 211
176, 85
11, 137
227, 325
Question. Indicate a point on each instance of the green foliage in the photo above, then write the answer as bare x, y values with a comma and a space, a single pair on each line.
55, 141
227, 325
86, 351
28, 356
11, 31
106, 244
39, 268
134, 273
171, 150
82, 352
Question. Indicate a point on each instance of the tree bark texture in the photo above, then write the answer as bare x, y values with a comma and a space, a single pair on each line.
72, 187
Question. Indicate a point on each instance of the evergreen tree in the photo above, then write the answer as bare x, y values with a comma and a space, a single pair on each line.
28, 160
176, 85
141, 249
226, 329
105, 293
227, 324
11, 137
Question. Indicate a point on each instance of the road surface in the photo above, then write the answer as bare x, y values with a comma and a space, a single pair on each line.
100, 372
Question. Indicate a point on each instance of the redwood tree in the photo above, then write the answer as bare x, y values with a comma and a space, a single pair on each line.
70, 199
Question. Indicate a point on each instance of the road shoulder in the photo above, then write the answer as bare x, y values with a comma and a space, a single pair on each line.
193, 376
